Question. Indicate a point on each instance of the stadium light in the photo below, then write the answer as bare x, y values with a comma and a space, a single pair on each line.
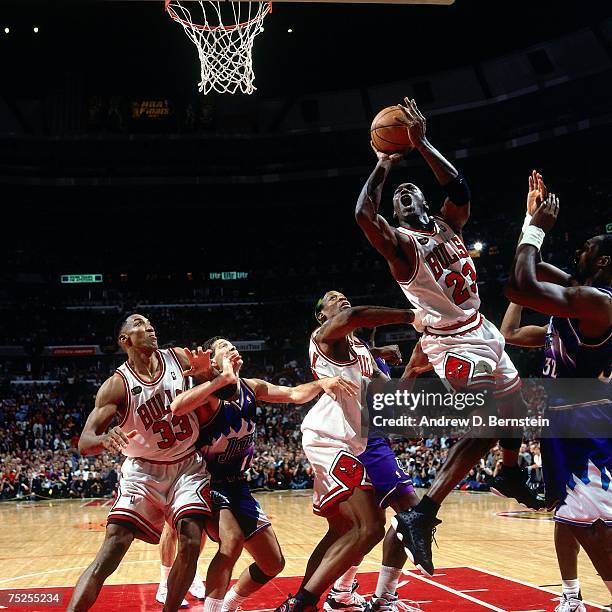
7, 30
289, 30
35, 29
478, 246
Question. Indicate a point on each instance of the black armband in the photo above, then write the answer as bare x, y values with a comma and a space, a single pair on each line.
458, 190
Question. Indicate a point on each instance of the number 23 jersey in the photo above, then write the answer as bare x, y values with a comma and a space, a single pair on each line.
443, 284
161, 435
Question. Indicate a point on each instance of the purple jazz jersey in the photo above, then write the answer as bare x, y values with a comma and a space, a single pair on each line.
385, 472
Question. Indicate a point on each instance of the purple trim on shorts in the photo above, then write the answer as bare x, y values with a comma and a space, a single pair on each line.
403, 488
384, 471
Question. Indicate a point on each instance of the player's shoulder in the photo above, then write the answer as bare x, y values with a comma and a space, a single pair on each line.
113, 389
176, 353
594, 294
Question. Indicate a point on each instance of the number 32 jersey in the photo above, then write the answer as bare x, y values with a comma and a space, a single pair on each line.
443, 285
161, 435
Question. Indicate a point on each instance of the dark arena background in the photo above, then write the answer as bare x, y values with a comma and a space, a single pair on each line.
123, 189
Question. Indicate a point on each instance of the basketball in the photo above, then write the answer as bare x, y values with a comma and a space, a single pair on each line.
388, 134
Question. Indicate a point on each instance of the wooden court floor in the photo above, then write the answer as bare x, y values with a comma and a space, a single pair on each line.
49, 543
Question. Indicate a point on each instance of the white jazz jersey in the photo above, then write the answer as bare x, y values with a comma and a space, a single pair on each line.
340, 419
443, 286
161, 436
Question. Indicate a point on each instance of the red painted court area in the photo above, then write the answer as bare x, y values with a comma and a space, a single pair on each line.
460, 589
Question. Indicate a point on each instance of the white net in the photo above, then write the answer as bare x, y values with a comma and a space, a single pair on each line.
223, 32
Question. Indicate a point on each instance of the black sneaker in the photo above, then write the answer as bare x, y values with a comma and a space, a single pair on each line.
415, 531
292, 604
512, 482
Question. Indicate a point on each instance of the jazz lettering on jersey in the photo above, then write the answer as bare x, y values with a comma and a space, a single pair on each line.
235, 448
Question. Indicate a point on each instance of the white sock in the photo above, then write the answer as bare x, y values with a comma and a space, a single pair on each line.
232, 600
345, 582
163, 575
388, 577
571, 588
608, 583
213, 605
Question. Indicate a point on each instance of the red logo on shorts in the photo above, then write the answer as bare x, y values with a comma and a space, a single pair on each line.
349, 471
457, 371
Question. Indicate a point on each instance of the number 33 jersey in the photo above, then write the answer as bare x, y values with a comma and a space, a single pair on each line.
443, 284
161, 435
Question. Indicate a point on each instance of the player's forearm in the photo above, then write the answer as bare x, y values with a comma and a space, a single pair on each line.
523, 277
511, 321
90, 443
304, 393
369, 199
443, 170
373, 316
189, 400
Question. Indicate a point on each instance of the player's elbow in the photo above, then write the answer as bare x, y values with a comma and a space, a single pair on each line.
84, 448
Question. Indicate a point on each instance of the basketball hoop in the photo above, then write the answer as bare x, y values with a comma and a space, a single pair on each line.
223, 32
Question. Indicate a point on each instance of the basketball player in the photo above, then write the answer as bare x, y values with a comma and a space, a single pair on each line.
333, 439
227, 442
578, 344
393, 487
163, 476
429, 261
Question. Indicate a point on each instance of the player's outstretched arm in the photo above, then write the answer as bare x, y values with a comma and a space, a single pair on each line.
456, 207
527, 335
278, 394
525, 289
346, 321
536, 194
375, 227
94, 439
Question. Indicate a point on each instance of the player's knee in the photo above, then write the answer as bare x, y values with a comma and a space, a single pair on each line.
370, 532
118, 539
232, 544
190, 536
267, 570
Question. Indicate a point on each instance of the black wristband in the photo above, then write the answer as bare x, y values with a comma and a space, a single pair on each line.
458, 190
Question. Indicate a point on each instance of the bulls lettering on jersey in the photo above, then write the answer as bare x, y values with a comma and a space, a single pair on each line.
340, 419
443, 285
161, 436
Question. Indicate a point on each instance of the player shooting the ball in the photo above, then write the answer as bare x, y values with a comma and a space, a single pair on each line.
428, 259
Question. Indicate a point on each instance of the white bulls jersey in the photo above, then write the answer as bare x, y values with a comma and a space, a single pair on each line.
340, 419
443, 285
161, 436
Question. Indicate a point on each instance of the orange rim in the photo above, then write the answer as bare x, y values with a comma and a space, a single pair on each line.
206, 28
